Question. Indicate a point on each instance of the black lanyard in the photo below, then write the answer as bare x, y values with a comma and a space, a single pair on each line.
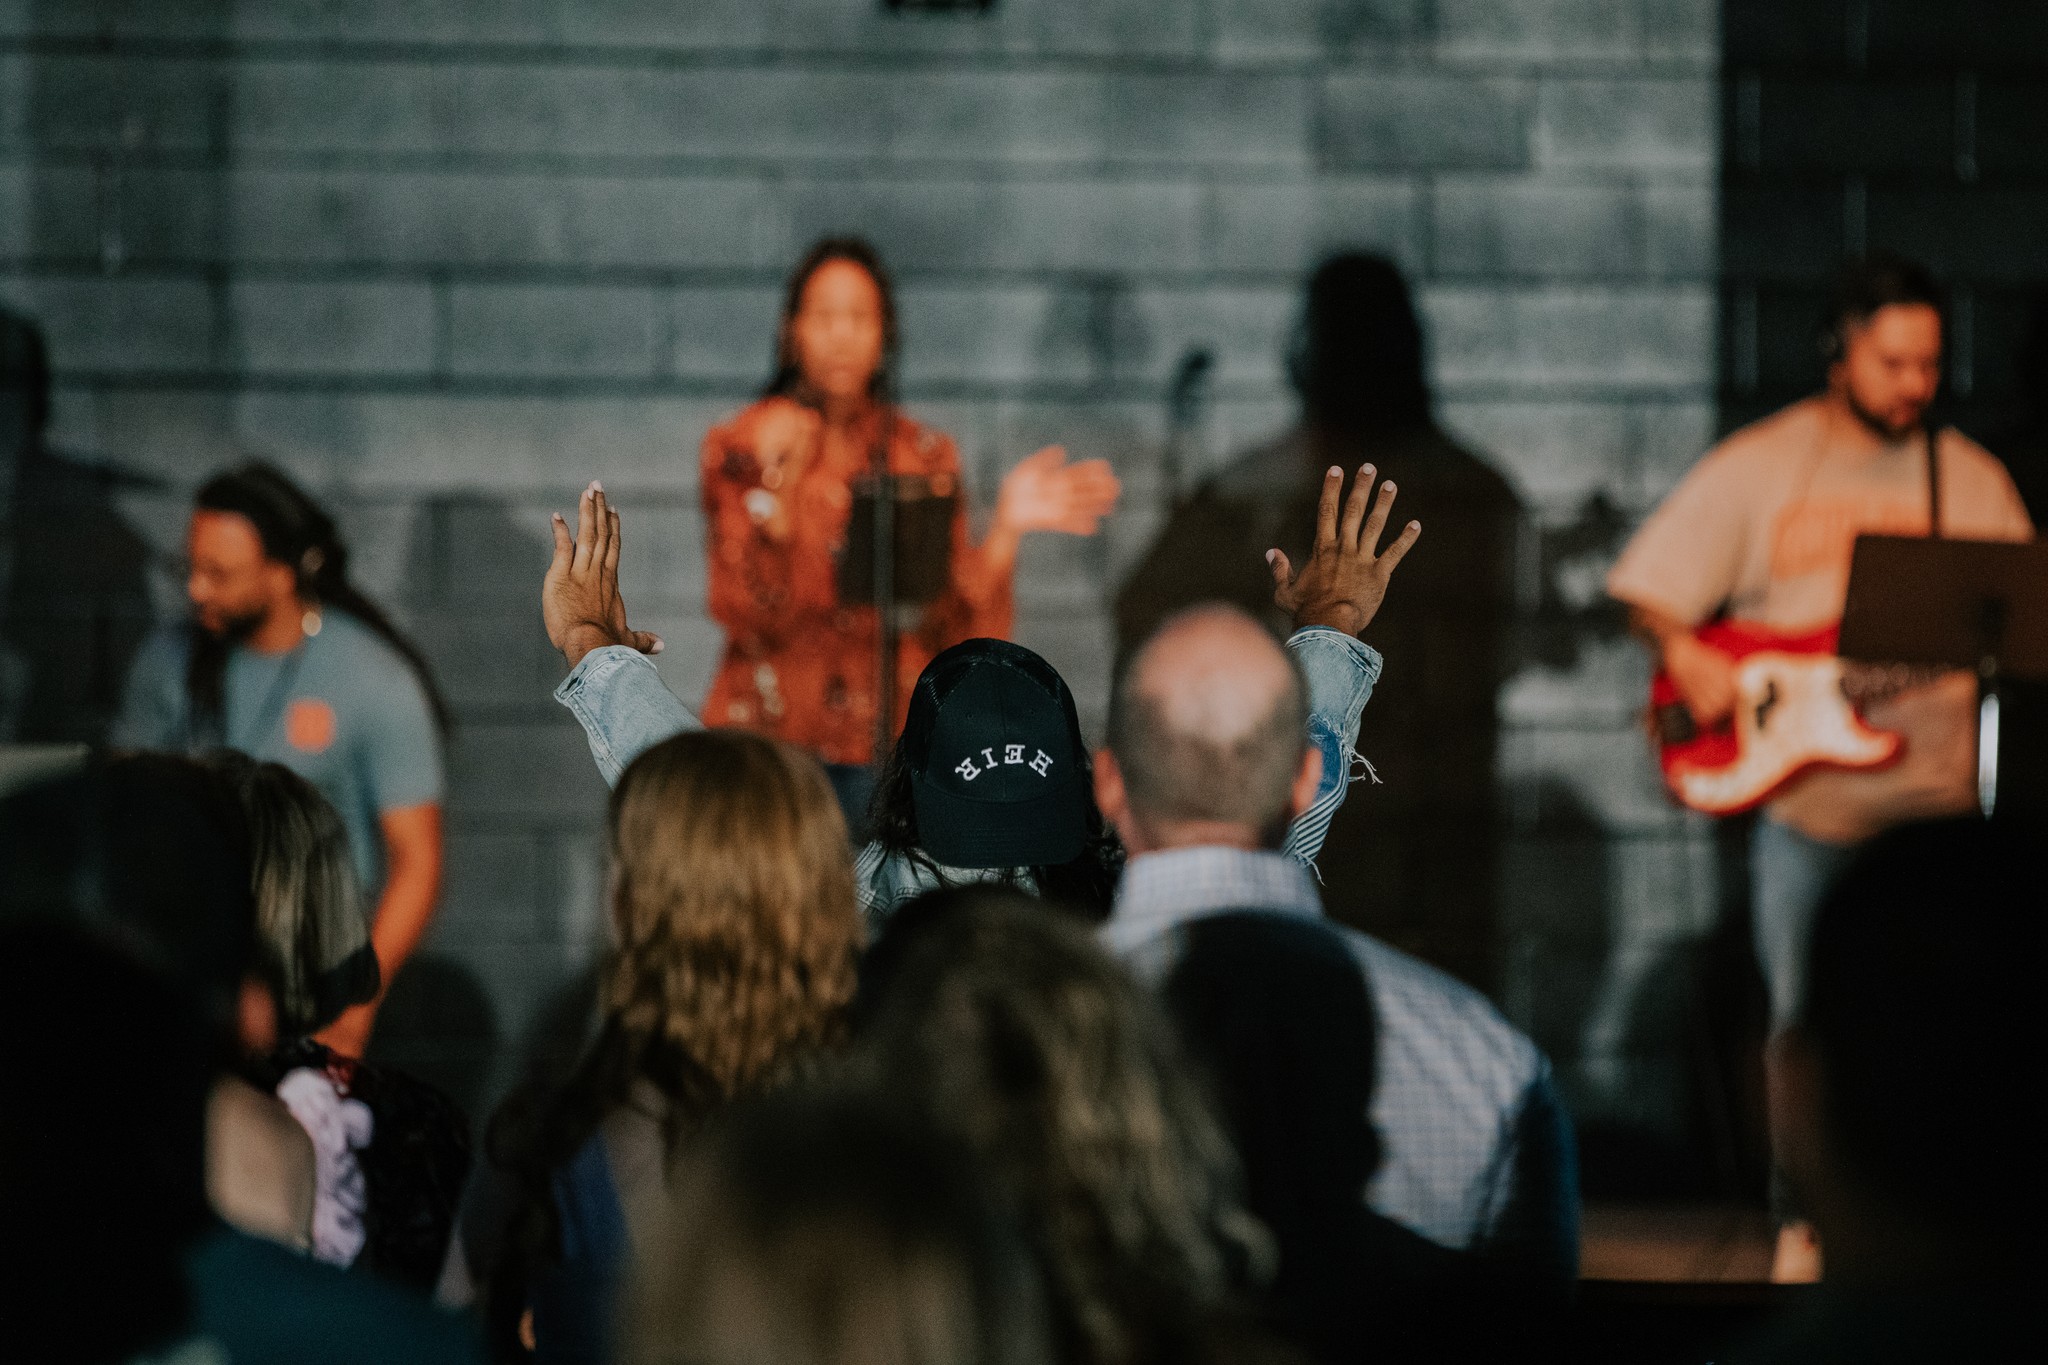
271, 712
1933, 484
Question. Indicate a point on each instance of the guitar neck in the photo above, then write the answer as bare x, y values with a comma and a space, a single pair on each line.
1866, 684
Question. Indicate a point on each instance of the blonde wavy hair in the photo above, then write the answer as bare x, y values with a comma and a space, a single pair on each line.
734, 907
734, 910
736, 935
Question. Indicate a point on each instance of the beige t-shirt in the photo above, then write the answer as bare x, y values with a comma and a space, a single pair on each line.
1764, 525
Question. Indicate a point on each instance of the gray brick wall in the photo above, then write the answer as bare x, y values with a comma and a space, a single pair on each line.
447, 261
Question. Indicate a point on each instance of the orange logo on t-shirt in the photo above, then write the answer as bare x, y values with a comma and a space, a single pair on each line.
1816, 535
309, 725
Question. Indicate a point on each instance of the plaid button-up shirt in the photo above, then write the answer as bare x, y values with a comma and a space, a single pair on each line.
1478, 1149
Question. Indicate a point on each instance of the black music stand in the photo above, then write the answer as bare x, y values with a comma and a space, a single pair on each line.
908, 513
1970, 604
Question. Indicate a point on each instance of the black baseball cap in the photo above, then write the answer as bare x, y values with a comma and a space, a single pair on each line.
998, 772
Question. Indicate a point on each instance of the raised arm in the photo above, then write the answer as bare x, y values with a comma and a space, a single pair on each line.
1333, 598
612, 688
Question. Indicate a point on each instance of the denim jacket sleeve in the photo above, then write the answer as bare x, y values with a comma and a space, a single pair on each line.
1341, 671
624, 707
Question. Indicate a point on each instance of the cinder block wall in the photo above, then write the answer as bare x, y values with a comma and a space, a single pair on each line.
445, 262
1884, 123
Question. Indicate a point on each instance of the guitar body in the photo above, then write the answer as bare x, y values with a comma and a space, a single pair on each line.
1790, 715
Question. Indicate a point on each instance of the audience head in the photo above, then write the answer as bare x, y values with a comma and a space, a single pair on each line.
262, 550
1208, 737
1357, 357
102, 1173
1899, 1099
1011, 1027
734, 937
1882, 341
732, 910
1275, 1010
126, 932
837, 339
313, 940
827, 1228
991, 773
151, 853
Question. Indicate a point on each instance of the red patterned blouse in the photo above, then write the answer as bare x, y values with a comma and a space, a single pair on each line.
777, 497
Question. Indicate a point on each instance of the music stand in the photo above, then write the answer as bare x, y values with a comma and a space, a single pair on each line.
910, 514
1970, 604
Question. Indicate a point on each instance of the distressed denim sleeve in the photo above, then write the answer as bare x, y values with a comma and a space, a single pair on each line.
624, 707
1341, 671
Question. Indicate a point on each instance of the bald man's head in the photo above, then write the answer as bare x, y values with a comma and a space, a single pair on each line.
1208, 723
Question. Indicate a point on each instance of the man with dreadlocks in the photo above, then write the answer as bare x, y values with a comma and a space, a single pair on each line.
285, 660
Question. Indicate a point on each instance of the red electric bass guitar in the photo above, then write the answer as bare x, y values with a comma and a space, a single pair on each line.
1794, 710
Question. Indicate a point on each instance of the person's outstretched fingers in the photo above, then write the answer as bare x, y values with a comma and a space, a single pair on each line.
601, 515
611, 549
1326, 508
1283, 572
565, 548
586, 527
1403, 543
1376, 523
1354, 507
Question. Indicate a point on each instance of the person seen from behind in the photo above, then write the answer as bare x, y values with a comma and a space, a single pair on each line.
1010, 1028
1275, 1014
1206, 767
148, 855
734, 937
1901, 1102
390, 1151
830, 1227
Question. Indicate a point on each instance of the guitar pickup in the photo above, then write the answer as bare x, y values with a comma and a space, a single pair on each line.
1767, 703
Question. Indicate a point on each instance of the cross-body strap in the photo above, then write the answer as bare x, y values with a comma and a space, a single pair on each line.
1933, 483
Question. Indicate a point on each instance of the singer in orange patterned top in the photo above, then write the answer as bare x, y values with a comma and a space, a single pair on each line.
778, 482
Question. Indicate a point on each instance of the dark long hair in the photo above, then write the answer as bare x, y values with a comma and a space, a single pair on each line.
1087, 884
295, 530
787, 376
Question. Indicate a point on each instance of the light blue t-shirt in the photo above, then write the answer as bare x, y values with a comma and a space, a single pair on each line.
344, 710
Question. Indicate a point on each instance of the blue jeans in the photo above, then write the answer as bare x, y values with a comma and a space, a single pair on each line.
1789, 873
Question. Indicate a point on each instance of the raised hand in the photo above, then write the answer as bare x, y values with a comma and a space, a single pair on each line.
1045, 493
579, 598
1345, 578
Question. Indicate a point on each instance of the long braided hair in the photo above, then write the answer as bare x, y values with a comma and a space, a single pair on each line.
294, 530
